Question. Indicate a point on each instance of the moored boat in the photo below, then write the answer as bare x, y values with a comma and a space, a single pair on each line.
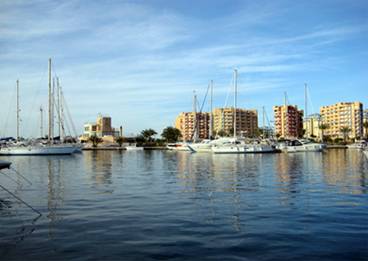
178, 146
357, 145
22, 148
300, 146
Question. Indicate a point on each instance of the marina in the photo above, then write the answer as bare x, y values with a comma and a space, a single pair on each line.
183, 130
166, 204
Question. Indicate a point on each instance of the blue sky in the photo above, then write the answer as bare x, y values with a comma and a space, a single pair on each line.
139, 61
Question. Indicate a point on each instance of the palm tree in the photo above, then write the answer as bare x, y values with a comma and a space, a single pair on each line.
95, 140
345, 132
323, 127
119, 140
148, 133
365, 126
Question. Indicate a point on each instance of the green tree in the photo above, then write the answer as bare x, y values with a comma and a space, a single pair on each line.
365, 126
222, 133
95, 140
120, 140
345, 132
323, 127
171, 134
147, 134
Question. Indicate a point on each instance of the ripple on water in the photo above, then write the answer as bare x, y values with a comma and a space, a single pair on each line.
164, 205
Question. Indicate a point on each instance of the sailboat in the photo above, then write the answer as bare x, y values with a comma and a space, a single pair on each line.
37, 148
235, 144
301, 145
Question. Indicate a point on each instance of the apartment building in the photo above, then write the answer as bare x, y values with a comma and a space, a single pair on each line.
311, 125
288, 121
365, 119
246, 121
341, 115
186, 122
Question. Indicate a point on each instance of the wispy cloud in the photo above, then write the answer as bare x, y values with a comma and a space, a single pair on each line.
116, 56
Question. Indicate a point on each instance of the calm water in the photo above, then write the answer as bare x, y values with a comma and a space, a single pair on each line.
167, 205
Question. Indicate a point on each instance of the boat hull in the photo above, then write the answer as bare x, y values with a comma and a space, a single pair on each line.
304, 148
239, 149
37, 150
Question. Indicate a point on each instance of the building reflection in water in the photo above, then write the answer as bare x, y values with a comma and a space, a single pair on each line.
345, 168
99, 166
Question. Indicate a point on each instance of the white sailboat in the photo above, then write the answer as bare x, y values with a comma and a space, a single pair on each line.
236, 145
37, 148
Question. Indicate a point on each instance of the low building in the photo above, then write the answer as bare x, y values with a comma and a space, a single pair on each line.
102, 128
288, 121
343, 115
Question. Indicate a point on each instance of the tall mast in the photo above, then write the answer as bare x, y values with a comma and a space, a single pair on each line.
53, 107
211, 113
306, 101
235, 97
263, 121
18, 110
58, 105
50, 105
41, 121
62, 112
286, 115
195, 133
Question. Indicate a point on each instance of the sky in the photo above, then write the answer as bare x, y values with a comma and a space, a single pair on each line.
140, 61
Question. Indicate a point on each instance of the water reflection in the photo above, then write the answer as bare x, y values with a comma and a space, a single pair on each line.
55, 192
344, 168
99, 166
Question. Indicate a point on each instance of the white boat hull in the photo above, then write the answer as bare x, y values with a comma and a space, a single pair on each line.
200, 147
258, 148
131, 148
38, 150
178, 147
304, 148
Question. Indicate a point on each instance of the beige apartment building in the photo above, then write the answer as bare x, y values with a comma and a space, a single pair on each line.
311, 125
340, 115
288, 121
365, 119
246, 121
186, 122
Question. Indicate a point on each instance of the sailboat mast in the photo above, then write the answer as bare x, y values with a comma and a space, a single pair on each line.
62, 112
58, 105
194, 116
50, 105
211, 113
235, 97
18, 110
41, 121
263, 121
286, 115
306, 101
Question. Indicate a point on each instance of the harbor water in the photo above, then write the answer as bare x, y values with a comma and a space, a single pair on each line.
153, 205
